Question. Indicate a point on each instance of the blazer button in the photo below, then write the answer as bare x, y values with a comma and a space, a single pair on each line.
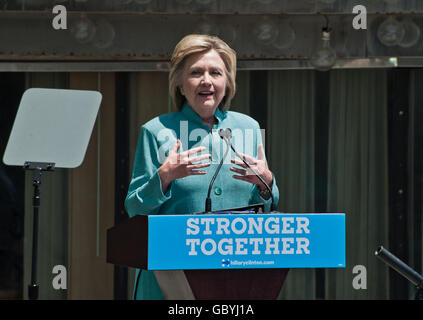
217, 191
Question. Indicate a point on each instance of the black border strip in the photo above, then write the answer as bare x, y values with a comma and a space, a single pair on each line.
398, 117
121, 172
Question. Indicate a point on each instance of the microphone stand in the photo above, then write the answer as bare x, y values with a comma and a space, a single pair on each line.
403, 269
208, 206
226, 135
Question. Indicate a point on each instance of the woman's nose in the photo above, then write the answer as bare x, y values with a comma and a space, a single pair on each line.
206, 79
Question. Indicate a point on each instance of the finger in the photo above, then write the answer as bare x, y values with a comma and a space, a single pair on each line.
239, 163
197, 173
242, 178
246, 157
194, 150
176, 147
242, 172
199, 158
198, 166
260, 152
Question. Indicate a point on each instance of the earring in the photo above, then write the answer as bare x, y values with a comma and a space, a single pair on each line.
182, 92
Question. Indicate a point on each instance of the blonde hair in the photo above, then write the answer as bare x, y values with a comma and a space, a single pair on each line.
196, 43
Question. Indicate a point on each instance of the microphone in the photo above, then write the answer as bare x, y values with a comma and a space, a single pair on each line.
208, 205
399, 266
227, 135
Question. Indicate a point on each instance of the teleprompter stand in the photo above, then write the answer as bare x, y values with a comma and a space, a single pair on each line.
36, 168
52, 130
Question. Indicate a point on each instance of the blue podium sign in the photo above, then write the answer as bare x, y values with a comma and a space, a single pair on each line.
240, 241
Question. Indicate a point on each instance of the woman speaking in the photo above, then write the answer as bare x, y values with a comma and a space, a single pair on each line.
178, 153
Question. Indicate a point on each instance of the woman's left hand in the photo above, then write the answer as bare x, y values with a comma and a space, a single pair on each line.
259, 165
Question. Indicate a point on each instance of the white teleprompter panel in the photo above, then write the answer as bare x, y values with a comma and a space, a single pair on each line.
53, 126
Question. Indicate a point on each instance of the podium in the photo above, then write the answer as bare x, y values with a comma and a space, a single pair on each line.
227, 256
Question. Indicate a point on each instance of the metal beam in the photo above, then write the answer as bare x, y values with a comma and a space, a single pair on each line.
146, 37
161, 66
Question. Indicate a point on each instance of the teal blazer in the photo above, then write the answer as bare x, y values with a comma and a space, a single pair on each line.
187, 195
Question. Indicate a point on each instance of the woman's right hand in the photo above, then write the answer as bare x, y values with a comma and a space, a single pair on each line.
180, 165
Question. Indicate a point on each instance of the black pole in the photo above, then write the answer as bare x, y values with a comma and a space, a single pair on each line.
37, 168
33, 286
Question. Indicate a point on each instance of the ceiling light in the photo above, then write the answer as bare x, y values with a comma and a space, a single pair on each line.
324, 56
391, 32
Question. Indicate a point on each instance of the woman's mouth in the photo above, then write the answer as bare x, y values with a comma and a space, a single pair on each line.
206, 93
